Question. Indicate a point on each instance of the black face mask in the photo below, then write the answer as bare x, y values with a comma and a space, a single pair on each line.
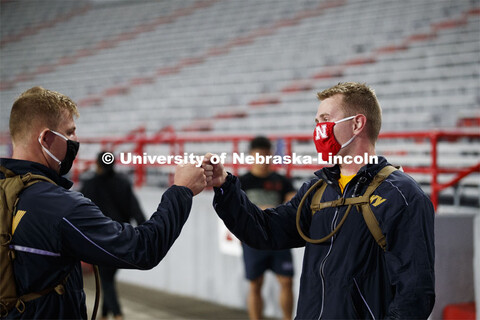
72, 150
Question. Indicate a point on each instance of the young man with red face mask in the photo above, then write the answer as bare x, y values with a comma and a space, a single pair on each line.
348, 276
55, 228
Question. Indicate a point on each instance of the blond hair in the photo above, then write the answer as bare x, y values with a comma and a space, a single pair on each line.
39, 106
358, 98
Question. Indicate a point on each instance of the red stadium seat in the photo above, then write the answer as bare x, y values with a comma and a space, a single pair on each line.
460, 311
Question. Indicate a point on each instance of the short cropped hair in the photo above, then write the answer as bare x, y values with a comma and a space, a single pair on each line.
260, 142
358, 98
39, 106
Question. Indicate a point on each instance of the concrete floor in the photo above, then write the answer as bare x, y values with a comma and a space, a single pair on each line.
141, 303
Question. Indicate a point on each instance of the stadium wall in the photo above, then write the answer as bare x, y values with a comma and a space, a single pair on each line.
196, 267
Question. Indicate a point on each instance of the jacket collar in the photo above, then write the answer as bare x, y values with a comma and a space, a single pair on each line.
24, 166
363, 177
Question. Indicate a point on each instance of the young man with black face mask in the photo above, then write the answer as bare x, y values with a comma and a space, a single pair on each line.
55, 228
355, 273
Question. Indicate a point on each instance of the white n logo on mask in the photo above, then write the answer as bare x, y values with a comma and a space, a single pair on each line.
321, 132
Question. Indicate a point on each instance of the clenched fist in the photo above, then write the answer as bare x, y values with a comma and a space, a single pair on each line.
190, 176
215, 173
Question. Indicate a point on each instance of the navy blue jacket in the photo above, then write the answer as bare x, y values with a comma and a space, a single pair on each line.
62, 227
349, 276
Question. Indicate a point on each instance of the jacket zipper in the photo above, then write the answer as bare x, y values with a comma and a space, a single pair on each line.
363, 298
322, 264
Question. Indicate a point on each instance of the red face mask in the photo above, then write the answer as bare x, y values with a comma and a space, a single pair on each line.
325, 141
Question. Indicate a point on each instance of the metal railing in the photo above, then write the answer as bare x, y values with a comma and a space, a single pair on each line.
176, 144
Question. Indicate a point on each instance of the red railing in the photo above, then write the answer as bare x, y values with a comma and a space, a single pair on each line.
177, 143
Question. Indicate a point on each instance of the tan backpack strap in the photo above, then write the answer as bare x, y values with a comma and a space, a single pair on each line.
317, 197
59, 289
300, 207
373, 226
366, 209
378, 179
343, 202
362, 203
11, 187
29, 179
8, 173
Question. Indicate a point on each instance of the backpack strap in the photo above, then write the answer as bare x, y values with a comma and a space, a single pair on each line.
59, 289
343, 202
8, 290
366, 209
318, 197
26, 177
28, 180
10, 299
378, 179
362, 203
11, 186
31, 178
8, 173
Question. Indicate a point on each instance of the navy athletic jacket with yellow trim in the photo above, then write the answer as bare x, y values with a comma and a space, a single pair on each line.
62, 227
349, 276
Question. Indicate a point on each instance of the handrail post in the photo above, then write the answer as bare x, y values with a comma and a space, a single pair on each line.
177, 147
173, 150
235, 150
139, 169
288, 141
434, 169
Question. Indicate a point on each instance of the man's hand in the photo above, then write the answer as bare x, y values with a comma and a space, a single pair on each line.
190, 176
215, 173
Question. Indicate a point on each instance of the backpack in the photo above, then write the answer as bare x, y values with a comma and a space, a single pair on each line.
10, 188
362, 203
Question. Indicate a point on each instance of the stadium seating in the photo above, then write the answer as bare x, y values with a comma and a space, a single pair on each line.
152, 67
22, 20
234, 67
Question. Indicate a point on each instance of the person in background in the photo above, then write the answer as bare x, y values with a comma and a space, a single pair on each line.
113, 194
267, 189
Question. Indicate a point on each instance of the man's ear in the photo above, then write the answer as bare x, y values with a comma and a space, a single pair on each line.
46, 137
359, 123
